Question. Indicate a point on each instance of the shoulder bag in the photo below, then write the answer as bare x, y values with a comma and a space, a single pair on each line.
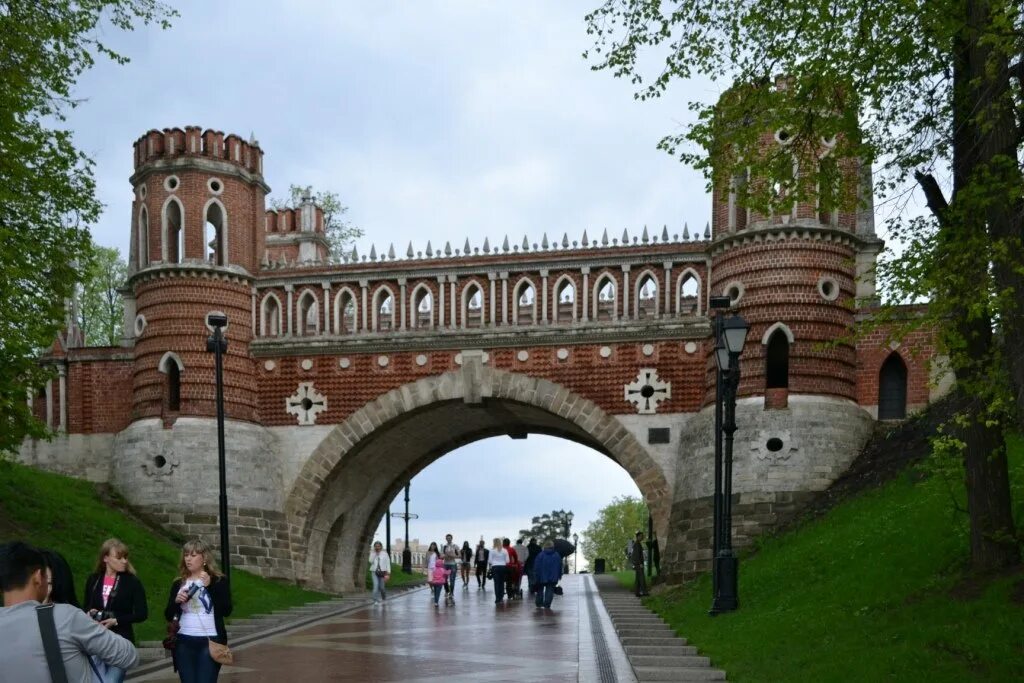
48, 630
219, 652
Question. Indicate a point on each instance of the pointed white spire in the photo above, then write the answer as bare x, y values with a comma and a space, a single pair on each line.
544, 241
373, 252
664, 233
430, 249
604, 238
447, 248
391, 252
586, 242
409, 253
504, 245
355, 254
487, 245
466, 249
625, 237
707, 231
686, 231
645, 239
526, 244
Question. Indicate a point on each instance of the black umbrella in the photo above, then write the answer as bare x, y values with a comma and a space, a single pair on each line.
564, 548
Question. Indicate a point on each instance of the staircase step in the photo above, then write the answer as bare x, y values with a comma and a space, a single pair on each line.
677, 673
658, 640
660, 650
682, 661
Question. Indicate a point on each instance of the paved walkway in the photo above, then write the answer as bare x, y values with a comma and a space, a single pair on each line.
409, 639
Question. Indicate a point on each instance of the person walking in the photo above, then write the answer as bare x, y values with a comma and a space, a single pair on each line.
30, 629
380, 571
450, 553
466, 557
513, 570
432, 556
497, 563
636, 558
521, 555
533, 549
115, 598
438, 580
200, 599
481, 565
547, 573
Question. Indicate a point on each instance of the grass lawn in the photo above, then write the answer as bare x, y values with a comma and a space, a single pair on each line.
67, 515
874, 590
398, 578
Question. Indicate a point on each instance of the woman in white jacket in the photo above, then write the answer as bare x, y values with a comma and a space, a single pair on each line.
380, 571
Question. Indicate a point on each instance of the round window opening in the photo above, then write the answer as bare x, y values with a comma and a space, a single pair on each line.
308, 403
142, 191
828, 288
171, 183
215, 185
159, 461
783, 136
734, 293
774, 444
647, 391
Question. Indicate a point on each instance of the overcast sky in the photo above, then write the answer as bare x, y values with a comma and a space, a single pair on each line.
431, 120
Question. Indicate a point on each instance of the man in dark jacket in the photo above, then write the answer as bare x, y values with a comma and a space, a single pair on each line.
532, 551
547, 569
636, 558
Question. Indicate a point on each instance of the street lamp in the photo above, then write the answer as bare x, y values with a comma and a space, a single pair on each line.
575, 552
734, 336
218, 346
720, 304
406, 552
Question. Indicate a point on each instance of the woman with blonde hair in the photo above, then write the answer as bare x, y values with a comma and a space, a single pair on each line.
115, 597
199, 600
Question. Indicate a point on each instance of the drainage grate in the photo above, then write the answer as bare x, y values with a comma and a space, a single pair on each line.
604, 659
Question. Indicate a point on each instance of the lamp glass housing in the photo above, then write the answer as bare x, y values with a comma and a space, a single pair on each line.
722, 358
736, 329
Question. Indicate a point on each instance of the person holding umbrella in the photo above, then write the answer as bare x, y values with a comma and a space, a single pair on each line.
547, 569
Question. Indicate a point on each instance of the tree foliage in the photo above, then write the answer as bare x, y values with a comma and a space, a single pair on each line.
340, 233
47, 191
101, 308
615, 526
549, 526
928, 92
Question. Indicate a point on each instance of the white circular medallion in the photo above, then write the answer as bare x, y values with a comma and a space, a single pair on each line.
269, 365
523, 356
307, 364
344, 363
140, 325
648, 349
486, 357
562, 354
421, 360
383, 361
690, 347
458, 359
171, 183
606, 351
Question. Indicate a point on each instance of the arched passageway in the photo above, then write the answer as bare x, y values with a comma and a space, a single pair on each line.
346, 485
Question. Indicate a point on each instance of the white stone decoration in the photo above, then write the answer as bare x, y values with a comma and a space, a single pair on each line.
307, 364
648, 349
486, 357
140, 325
458, 359
785, 448
893, 345
562, 354
306, 403
523, 356
690, 347
344, 363
269, 365
421, 360
647, 390
215, 185
163, 463
383, 361
606, 351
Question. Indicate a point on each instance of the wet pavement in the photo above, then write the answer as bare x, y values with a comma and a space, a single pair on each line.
409, 639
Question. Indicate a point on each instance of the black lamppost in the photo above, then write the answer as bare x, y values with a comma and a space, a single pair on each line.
568, 526
720, 304
218, 346
727, 357
406, 552
575, 552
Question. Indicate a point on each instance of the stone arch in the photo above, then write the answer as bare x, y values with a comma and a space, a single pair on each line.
642, 279
215, 214
605, 307
142, 257
380, 323
307, 310
365, 460
421, 293
776, 327
517, 293
892, 388
563, 284
688, 275
271, 315
473, 316
170, 364
345, 324
172, 224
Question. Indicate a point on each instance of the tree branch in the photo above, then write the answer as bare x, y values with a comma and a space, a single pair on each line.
933, 195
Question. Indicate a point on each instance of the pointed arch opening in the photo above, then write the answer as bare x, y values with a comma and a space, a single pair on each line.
422, 313
688, 293
142, 238
270, 316
309, 314
524, 299
345, 311
383, 310
892, 388
215, 233
472, 306
647, 295
172, 366
565, 300
173, 231
777, 359
605, 298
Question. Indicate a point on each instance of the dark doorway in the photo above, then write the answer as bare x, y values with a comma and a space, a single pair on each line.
892, 389
173, 387
777, 361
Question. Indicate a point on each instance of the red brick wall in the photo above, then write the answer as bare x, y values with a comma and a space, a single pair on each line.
99, 394
916, 348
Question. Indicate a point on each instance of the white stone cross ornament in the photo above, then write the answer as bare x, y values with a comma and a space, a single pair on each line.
647, 390
306, 403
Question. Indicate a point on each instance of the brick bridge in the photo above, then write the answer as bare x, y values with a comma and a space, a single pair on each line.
347, 376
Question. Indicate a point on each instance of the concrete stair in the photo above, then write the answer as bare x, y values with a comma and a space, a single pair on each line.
654, 650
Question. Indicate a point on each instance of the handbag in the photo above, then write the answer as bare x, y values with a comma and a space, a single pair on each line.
219, 652
172, 634
557, 590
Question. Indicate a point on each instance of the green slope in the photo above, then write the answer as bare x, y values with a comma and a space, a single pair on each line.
68, 515
874, 590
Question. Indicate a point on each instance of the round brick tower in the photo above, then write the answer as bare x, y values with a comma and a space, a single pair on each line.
197, 234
